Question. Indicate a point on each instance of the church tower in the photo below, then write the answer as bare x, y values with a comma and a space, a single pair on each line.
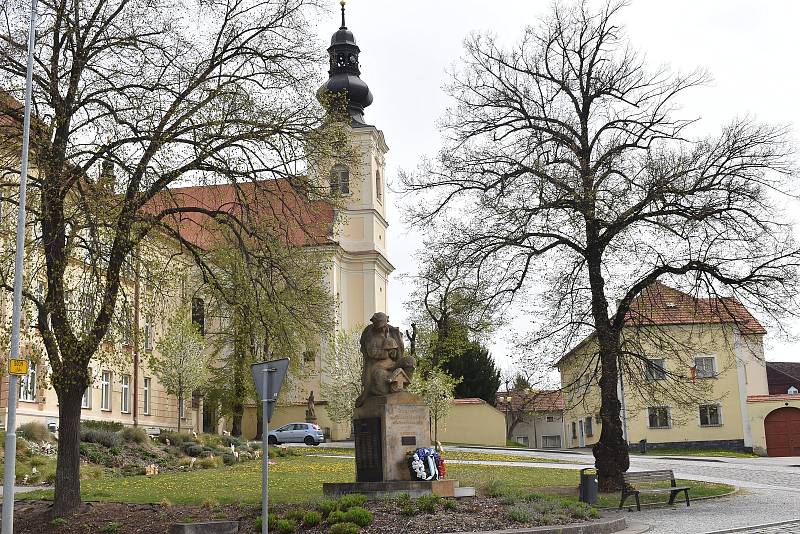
361, 268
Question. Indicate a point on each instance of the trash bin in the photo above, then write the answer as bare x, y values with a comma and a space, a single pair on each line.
588, 487
643, 446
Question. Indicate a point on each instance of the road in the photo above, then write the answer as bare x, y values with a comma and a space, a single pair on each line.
769, 490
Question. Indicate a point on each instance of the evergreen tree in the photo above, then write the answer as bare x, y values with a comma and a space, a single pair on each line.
479, 376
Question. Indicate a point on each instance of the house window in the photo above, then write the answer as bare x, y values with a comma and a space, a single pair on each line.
522, 440
378, 186
710, 415
148, 334
340, 180
574, 430
126, 392
704, 367
551, 442
27, 384
86, 400
105, 390
588, 427
655, 369
550, 419
147, 390
658, 417
199, 314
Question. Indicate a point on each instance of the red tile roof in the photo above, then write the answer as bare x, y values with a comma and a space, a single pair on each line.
662, 305
536, 400
275, 206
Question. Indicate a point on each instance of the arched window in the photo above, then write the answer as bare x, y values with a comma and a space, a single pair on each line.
378, 186
340, 180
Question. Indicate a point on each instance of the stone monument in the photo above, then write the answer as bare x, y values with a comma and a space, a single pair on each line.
389, 423
311, 413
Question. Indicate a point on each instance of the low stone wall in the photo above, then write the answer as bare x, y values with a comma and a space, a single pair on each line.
724, 444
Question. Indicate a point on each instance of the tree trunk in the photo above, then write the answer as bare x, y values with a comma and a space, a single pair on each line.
236, 427
514, 422
611, 450
67, 481
180, 403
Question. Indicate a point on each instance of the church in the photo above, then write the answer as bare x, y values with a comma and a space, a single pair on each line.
357, 240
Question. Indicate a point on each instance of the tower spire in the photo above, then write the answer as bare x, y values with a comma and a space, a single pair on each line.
344, 73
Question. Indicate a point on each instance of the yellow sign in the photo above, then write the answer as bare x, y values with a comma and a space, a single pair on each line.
18, 367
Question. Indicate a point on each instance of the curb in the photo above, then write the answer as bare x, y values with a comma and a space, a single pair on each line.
736, 489
603, 526
765, 525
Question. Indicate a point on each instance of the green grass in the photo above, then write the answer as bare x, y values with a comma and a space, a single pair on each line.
299, 478
696, 452
448, 455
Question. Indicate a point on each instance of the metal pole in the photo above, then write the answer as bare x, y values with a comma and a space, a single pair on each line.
11, 423
265, 455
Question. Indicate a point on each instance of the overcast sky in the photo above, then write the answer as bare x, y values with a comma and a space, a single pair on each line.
749, 46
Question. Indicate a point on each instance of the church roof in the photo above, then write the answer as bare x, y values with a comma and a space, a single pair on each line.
276, 206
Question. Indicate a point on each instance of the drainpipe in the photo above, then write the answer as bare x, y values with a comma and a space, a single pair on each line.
136, 338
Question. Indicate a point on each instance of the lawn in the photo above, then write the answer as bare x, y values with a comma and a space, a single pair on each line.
299, 478
449, 455
697, 452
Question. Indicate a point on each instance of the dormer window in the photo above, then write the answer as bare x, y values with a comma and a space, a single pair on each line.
340, 180
378, 186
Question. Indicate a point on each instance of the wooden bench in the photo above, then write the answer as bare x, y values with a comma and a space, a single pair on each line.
647, 477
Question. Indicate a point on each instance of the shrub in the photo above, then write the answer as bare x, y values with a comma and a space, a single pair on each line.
209, 503
285, 526
113, 526
337, 516
344, 528
229, 459
103, 437
58, 521
135, 435
450, 504
295, 514
165, 503
110, 426
192, 449
349, 501
428, 503
407, 507
520, 514
91, 472
403, 497
174, 438
133, 470
358, 515
228, 440
494, 488
37, 461
209, 463
312, 519
281, 452
34, 431
326, 506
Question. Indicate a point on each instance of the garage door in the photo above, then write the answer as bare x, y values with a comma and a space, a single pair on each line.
782, 428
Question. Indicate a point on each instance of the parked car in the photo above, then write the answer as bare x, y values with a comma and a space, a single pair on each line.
307, 433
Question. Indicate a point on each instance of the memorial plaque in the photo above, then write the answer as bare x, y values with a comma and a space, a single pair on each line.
408, 440
369, 452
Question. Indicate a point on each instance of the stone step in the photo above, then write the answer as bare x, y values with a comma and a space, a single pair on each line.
464, 492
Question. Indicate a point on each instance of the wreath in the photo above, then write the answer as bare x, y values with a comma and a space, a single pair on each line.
426, 464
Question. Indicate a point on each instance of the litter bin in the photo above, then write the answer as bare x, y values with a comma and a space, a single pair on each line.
588, 487
643, 446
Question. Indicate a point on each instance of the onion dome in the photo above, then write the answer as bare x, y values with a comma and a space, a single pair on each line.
344, 73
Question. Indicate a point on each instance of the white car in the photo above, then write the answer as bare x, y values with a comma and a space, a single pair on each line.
307, 433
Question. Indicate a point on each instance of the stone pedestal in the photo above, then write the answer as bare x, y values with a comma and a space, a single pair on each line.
385, 430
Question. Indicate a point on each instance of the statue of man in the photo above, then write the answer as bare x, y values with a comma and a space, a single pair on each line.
384, 353
311, 414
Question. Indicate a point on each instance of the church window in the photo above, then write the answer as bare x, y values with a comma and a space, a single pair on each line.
340, 180
378, 186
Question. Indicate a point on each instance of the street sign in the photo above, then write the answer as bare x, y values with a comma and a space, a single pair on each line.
18, 367
275, 373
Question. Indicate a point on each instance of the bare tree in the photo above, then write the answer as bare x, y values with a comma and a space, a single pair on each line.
574, 173
525, 391
159, 93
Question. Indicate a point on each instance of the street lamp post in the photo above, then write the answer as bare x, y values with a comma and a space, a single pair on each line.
11, 423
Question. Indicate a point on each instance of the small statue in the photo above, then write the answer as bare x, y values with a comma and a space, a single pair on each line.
386, 367
311, 413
